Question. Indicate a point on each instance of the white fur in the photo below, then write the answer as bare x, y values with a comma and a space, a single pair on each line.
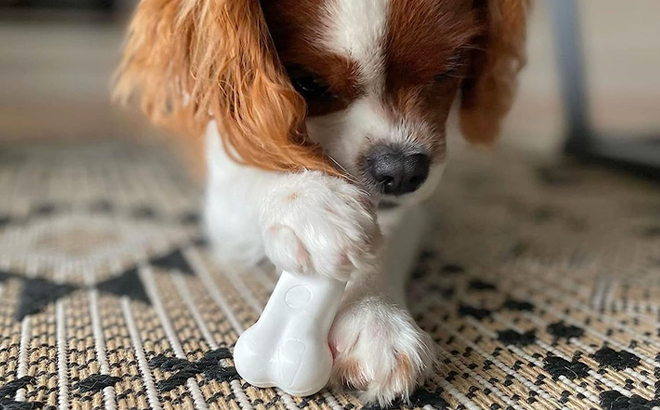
392, 353
357, 30
373, 327
306, 223
229, 211
311, 223
316, 224
344, 134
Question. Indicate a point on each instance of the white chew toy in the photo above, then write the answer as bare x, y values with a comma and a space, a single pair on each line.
288, 346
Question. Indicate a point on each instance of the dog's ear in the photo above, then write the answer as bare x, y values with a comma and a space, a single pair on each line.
489, 89
193, 61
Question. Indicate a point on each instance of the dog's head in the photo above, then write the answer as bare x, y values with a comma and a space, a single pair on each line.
356, 86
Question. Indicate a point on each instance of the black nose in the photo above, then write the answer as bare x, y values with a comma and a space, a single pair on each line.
395, 171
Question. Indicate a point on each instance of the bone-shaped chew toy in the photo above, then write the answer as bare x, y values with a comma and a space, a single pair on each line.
288, 346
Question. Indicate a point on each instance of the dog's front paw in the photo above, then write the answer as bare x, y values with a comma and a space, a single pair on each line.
316, 224
379, 350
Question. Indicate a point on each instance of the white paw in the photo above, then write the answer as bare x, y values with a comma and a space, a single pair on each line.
379, 350
316, 224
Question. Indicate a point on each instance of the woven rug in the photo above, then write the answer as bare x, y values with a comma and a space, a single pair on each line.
539, 283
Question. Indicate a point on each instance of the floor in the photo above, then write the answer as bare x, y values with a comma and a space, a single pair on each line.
538, 283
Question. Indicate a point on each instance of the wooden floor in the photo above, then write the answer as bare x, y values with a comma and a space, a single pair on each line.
54, 77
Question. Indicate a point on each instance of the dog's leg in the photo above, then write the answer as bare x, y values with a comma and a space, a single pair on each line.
231, 207
403, 232
305, 222
378, 347
311, 223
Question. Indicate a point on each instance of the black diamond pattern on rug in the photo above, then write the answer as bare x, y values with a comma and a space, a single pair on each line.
96, 383
518, 305
101, 206
476, 312
4, 275
173, 261
45, 209
420, 398
5, 220
8, 391
514, 338
617, 360
190, 218
558, 367
37, 293
614, 400
126, 284
209, 365
143, 212
561, 330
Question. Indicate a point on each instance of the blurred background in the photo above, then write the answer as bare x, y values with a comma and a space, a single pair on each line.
56, 58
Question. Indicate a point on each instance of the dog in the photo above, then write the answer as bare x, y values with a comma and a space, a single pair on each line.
323, 125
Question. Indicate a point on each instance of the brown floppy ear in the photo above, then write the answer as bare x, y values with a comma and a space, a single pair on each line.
192, 61
489, 89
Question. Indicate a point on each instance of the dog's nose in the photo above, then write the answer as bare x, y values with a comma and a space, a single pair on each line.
395, 171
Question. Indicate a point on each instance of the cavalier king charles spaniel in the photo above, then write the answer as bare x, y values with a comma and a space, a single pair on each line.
323, 125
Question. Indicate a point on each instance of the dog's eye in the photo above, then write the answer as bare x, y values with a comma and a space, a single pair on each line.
443, 78
311, 87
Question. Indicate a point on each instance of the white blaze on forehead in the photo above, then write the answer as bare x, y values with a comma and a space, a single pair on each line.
357, 29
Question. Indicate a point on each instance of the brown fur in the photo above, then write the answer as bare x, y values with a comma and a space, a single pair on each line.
350, 374
295, 25
427, 38
488, 94
404, 369
426, 48
217, 55
482, 40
